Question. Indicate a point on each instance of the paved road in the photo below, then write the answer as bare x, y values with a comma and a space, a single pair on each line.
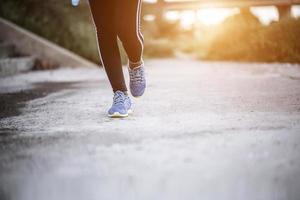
202, 131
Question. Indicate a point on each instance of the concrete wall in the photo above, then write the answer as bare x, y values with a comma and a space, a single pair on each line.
28, 43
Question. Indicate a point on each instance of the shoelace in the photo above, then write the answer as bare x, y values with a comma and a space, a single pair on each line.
136, 75
118, 98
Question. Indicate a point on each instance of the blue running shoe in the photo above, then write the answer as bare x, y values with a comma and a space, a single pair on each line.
137, 80
121, 106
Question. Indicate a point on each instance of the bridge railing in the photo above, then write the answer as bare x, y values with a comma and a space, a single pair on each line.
161, 6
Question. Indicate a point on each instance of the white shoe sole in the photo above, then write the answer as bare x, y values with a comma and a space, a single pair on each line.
119, 115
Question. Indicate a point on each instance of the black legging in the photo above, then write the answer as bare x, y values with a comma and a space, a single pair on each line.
117, 19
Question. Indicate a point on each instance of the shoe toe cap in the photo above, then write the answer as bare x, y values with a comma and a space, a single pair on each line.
117, 109
138, 90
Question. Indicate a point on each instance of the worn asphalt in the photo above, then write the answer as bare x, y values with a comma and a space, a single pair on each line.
203, 130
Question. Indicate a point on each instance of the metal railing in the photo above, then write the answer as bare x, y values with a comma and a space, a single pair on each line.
162, 6
196, 4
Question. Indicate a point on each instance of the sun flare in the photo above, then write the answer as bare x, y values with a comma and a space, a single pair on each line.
213, 16
206, 16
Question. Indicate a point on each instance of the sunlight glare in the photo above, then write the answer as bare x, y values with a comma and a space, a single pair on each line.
150, 1
296, 11
206, 16
188, 18
172, 15
266, 14
213, 16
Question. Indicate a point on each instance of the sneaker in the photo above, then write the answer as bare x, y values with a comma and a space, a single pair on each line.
137, 80
121, 106
75, 2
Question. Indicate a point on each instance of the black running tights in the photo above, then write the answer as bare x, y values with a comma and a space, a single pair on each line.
115, 19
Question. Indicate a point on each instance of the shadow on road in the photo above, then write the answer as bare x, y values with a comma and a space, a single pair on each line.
12, 103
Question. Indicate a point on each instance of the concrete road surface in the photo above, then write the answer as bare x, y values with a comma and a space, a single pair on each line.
203, 130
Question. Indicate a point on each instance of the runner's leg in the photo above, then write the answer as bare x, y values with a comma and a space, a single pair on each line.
103, 12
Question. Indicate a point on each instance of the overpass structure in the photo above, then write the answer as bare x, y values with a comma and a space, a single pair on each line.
159, 7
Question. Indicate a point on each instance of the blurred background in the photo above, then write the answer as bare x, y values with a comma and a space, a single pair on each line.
231, 30
203, 130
